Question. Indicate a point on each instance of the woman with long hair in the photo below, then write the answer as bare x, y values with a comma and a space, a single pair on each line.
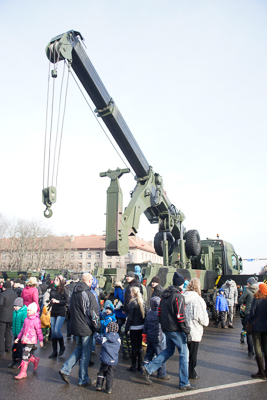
135, 323
59, 297
30, 293
197, 317
258, 320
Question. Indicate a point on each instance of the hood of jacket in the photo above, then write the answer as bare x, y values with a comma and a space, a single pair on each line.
80, 287
112, 337
253, 288
94, 283
170, 291
190, 296
230, 283
107, 303
154, 303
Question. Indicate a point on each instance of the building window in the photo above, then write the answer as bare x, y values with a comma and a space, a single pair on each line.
88, 266
128, 255
97, 264
109, 265
80, 265
142, 256
97, 254
71, 265
4, 256
80, 255
88, 255
71, 255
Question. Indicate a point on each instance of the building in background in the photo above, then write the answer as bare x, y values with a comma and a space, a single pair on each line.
76, 253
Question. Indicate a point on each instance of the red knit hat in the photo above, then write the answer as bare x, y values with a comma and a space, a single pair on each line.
263, 288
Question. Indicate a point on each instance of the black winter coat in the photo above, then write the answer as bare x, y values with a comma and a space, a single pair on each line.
157, 291
83, 308
135, 317
127, 294
257, 308
7, 298
152, 325
171, 311
59, 309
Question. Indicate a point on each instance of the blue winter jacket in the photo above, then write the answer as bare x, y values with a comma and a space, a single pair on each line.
107, 319
110, 348
152, 325
221, 303
118, 294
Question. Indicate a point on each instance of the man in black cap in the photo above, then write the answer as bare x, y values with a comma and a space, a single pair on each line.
177, 332
133, 281
157, 288
7, 298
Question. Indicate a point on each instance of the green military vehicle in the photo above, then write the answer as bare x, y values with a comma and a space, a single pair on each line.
212, 261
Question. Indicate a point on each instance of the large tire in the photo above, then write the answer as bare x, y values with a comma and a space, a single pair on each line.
192, 244
158, 243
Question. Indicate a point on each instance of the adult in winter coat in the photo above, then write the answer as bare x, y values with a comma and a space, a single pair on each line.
135, 324
30, 293
197, 317
132, 282
7, 298
177, 331
59, 298
230, 292
157, 288
18, 287
84, 320
119, 295
247, 298
156, 341
28, 335
258, 317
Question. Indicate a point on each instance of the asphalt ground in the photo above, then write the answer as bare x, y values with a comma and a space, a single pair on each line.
223, 366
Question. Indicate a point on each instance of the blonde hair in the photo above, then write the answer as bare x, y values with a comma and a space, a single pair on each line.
32, 282
194, 286
137, 295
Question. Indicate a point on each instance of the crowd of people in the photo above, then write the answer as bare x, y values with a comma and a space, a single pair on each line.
147, 332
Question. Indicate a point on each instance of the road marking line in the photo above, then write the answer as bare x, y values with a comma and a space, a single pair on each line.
204, 390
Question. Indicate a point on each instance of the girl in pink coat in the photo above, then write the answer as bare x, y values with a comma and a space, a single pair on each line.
29, 333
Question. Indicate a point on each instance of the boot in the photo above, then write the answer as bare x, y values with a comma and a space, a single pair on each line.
99, 383
35, 361
140, 359
54, 347
23, 371
62, 347
260, 374
12, 364
133, 366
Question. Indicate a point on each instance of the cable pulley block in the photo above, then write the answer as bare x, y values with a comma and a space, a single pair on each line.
49, 196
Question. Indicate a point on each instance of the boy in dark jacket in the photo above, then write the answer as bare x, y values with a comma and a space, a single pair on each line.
19, 315
109, 356
156, 341
221, 308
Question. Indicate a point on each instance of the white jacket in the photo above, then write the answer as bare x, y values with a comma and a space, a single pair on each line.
196, 314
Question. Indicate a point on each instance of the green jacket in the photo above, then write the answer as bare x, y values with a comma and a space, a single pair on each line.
18, 320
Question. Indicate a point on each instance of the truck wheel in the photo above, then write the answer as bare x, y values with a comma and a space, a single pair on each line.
192, 244
158, 243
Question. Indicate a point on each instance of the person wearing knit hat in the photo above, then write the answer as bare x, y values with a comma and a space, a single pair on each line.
7, 298
258, 319
157, 288
177, 331
32, 307
19, 315
247, 298
109, 356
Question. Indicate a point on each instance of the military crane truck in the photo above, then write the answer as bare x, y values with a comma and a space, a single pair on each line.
181, 249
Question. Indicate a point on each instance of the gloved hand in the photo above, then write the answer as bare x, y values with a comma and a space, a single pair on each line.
189, 338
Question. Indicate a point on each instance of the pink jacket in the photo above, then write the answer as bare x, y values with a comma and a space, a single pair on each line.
30, 295
31, 330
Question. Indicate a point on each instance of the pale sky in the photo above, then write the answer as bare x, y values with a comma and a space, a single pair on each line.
189, 78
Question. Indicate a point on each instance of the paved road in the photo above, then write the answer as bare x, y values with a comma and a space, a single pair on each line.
222, 364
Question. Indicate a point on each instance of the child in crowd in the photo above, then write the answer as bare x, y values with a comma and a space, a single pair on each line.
108, 357
109, 316
19, 315
156, 341
222, 308
29, 333
45, 323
